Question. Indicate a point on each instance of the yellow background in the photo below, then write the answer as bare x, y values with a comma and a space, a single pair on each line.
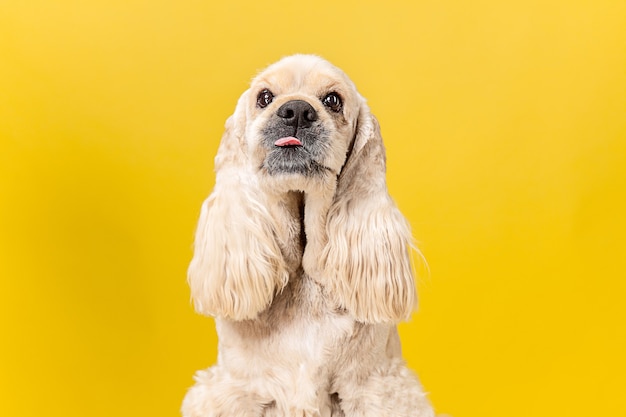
505, 123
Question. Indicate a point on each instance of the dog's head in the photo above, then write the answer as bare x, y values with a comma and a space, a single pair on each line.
302, 128
300, 116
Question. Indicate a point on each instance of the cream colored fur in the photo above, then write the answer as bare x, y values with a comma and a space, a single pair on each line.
306, 323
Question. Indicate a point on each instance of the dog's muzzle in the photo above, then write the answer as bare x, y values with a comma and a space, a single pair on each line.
295, 139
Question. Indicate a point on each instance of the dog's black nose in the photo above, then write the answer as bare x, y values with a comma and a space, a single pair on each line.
297, 113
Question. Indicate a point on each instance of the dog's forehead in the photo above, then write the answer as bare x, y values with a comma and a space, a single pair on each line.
304, 74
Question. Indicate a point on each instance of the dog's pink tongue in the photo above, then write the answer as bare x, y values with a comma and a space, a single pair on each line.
290, 140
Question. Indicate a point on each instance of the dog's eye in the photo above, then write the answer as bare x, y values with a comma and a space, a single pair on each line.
264, 98
333, 102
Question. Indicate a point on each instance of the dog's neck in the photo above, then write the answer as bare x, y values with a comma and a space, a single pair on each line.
289, 219
303, 234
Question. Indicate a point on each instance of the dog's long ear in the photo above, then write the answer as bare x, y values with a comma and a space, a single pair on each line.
366, 261
237, 264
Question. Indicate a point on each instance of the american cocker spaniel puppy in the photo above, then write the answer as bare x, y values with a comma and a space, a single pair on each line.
303, 258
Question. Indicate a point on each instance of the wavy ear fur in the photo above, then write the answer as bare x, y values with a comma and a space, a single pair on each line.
237, 264
366, 261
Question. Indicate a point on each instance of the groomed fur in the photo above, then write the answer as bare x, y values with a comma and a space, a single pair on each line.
237, 264
367, 254
303, 258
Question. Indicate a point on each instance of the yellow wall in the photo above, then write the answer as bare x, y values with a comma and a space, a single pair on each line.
505, 123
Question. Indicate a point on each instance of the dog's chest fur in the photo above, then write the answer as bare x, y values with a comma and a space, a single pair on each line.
297, 347
300, 332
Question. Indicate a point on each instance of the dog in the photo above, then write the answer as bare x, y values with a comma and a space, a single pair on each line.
302, 258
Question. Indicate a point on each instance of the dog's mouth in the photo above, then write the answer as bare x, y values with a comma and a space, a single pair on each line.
293, 159
295, 152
